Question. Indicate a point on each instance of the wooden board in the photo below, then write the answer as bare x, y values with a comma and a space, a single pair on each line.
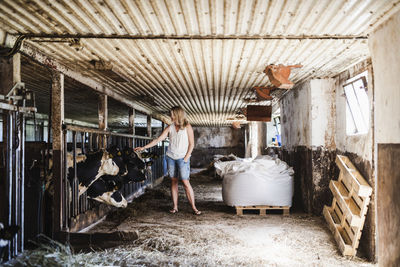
259, 113
346, 215
262, 208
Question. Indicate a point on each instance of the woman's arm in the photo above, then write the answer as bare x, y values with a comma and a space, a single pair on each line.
191, 142
162, 137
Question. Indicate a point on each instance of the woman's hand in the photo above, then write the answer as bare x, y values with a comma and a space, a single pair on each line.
139, 148
186, 159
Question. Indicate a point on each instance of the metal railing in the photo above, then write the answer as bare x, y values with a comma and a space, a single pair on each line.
89, 140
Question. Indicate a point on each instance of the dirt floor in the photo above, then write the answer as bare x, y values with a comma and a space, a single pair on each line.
218, 237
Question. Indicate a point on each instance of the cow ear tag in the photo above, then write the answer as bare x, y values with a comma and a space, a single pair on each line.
119, 153
111, 156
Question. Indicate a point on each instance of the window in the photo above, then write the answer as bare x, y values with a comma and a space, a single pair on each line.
357, 105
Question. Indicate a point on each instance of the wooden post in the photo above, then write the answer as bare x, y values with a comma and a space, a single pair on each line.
149, 125
103, 118
57, 118
132, 126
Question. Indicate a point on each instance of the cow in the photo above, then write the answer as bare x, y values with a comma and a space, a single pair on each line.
96, 165
6, 234
135, 165
105, 190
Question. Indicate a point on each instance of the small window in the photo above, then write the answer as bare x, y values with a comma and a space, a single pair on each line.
357, 105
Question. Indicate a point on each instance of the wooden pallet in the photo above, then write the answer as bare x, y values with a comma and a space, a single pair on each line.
346, 216
262, 209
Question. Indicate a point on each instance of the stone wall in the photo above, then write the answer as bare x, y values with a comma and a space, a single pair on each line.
210, 141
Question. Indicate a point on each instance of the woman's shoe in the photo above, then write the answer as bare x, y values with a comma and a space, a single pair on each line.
173, 211
197, 212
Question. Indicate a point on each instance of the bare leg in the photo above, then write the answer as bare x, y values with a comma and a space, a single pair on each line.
189, 193
174, 192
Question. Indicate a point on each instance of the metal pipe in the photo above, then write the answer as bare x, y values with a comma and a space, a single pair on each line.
59, 37
75, 192
66, 187
22, 168
102, 132
8, 137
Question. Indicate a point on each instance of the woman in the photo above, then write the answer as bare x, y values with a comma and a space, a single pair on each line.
181, 144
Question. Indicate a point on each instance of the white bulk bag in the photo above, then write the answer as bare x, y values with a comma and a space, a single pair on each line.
262, 181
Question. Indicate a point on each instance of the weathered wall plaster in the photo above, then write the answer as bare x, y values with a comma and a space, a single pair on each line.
313, 132
361, 145
257, 139
295, 117
359, 149
384, 46
210, 141
322, 113
307, 116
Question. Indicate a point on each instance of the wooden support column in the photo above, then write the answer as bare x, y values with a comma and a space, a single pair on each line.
148, 125
57, 119
131, 126
103, 119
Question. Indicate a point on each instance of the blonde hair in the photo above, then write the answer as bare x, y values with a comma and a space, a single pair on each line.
180, 117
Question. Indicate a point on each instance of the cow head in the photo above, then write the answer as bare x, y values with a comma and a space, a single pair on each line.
96, 165
117, 156
104, 191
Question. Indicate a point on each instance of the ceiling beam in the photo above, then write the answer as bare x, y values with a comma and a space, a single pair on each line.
60, 37
45, 60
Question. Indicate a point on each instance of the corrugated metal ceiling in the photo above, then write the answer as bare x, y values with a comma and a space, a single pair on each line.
203, 55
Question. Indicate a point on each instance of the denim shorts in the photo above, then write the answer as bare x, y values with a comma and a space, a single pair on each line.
178, 168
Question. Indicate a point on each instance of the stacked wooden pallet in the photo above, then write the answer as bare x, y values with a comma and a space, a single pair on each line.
346, 216
262, 208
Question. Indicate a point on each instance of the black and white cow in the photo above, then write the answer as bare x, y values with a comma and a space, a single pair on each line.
6, 234
136, 166
105, 190
103, 174
92, 168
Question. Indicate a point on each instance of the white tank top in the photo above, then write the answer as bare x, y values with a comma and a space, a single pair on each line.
178, 142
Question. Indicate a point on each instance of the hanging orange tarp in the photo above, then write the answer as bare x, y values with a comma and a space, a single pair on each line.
279, 75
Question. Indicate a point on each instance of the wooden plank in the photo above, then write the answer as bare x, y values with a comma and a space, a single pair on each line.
148, 125
327, 212
103, 119
57, 118
262, 209
347, 205
131, 126
353, 177
86, 242
259, 113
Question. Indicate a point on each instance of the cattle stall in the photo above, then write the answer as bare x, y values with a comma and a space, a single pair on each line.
28, 163
74, 210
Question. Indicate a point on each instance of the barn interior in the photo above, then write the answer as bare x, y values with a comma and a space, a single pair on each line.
81, 76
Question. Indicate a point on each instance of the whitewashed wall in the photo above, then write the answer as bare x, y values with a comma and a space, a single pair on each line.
358, 144
384, 45
322, 112
295, 117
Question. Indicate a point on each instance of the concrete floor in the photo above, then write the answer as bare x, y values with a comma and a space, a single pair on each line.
218, 237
